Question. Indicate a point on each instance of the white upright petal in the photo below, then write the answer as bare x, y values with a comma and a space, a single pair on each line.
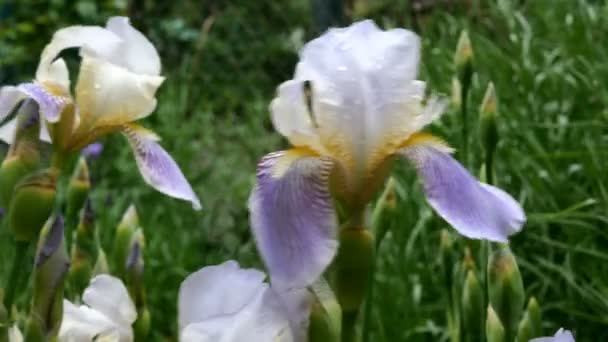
108, 295
110, 95
93, 38
138, 54
14, 334
56, 75
365, 96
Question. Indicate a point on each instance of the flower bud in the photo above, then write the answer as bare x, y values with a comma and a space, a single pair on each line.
78, 189
326, 314
488, 130
456, 96
142, 325
495, 332
472, 307
50, 270
530, 325
101, 265
32, 204
463, 59
446, 257
122, 241
354, 264
384, 210
23, 156
84, 251
506, 289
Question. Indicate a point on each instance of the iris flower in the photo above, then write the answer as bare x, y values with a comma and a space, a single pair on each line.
117, 82
107, 315
560, 336
226, 303
352, 109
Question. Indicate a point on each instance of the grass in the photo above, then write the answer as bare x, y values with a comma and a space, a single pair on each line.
548, 63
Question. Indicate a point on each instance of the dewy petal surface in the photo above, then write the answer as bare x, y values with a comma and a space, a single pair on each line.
292, 216
560, 336
475, 210
365, 96
110, 95
157, 167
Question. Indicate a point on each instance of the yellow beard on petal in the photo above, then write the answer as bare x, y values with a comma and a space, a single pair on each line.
426, 139
284, 163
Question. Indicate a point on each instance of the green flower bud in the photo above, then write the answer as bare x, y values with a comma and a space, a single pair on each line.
488, 130
122, 241
78, 189
326, 314
446, 257
530, 325
495, 331
456, 96
506, 289
463, 59
142, 325
354, 264
50, 270
472, 307
23, 156
101, 265
84, 251
134, 266
384, 210
32, 204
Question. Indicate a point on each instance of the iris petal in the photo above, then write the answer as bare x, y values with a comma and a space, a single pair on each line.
109, 296
560, 336
474, 209
157, 167
292, 216
51, 106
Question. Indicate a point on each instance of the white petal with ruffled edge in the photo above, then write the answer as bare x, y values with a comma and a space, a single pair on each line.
365, 97
560, 336
157, 167
475, 210
81, 323
292, 217
228, 304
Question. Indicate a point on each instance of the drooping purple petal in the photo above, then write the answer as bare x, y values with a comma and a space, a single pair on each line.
475, 210
293, 218
51, 106
157, 167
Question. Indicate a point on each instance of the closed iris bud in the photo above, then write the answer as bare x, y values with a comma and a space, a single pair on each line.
326, 315
456, 96
122, 241
142, 325
135, 268
50, 270
84, 250
463, 59
506, 290
101, 265
354, 264
32, 204
78, 189
488, 130
472, 307
23, 156
495, 331
529, 327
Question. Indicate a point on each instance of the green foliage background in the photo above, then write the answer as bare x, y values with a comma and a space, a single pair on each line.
547, 59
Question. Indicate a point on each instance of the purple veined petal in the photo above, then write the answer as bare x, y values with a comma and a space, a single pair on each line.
292, 217
560, 336
475, 210
51, 106
157, 167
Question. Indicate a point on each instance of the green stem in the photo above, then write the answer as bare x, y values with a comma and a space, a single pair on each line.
19, 263
349, 324
490, 167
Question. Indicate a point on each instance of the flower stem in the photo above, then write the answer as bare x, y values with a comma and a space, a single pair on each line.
19, 263
464, 149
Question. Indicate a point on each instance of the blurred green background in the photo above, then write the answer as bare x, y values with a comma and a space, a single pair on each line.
223, 60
